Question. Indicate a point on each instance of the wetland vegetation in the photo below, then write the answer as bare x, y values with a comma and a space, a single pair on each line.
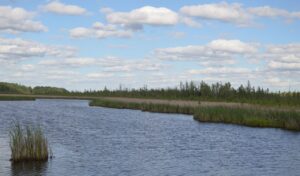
200, 91
28, 143
247, 116
257, 107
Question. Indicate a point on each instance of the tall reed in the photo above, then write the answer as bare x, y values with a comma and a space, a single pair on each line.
28, 143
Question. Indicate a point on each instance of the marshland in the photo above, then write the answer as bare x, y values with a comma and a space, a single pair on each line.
199, 126
218, 102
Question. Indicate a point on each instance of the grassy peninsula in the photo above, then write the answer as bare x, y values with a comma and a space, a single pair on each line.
240, 115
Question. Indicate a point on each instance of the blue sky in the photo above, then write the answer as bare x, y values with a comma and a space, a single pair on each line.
95, 43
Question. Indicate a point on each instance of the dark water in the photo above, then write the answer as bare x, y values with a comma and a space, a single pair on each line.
102, 141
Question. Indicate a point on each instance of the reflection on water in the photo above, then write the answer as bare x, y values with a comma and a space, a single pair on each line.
29, 168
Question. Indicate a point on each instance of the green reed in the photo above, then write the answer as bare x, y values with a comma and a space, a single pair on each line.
250, 117
28, 143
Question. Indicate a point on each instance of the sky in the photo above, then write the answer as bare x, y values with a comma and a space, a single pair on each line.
91, 44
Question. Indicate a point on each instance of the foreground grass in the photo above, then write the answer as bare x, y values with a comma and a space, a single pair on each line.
28, 144
289, 120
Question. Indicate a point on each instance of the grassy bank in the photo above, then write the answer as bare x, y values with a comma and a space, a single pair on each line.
151, 107
289, 120
28, 144
249, 117
16, 98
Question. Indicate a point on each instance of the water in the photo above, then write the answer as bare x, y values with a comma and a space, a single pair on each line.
102, 141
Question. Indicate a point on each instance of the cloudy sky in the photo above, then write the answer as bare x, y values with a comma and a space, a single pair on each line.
89, 44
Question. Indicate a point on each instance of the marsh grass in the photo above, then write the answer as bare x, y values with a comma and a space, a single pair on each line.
289, 120
250, 117
28, 143
151, 107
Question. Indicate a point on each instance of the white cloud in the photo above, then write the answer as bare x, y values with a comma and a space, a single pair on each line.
146, 15
233, 46
189, 22
27, 67
16, 20
69, 62
267, 11
291, 48
65, 9
232, 13
222, 70
107, 64
284, 66
14, 49
285, 57
100, 31
99, 75
216, 52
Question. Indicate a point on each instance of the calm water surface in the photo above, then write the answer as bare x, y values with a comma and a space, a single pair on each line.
102, 141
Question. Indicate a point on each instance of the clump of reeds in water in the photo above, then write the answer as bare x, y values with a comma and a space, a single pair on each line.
28, 143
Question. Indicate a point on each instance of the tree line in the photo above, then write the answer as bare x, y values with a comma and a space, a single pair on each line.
207, 92
185, 90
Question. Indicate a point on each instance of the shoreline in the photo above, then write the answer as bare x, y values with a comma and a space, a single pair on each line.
245, 116
192, 103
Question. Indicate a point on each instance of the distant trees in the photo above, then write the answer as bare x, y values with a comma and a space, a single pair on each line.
12, 88
186, 90
203, 91
39, 90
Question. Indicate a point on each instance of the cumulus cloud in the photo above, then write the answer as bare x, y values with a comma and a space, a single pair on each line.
15, 49
100, 31
69, 62
232, 46
235, 13
216, 52
189, 22
284, 66
65, 9
267, 11
282, 58
99, 75
146, 15
16, 20
232, 13
222, 70
107, 64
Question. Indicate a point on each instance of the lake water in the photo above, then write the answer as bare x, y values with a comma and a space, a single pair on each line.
102, 141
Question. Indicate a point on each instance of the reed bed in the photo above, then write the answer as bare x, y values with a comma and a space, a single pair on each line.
28, 143
151, 107
250, 117
253, 117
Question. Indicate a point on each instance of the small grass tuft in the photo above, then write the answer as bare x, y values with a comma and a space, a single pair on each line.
28, 143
